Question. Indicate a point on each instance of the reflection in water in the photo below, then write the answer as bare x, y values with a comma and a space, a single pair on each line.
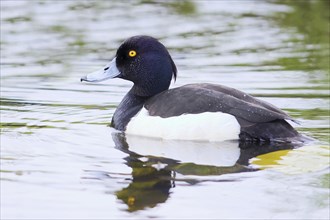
155, 164
149, 185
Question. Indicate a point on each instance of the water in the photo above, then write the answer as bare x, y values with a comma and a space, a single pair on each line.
60, 160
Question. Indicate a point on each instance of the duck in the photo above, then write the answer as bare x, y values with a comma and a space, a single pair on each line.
199, 111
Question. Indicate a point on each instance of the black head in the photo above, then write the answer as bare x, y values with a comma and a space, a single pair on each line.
147, 63
142, 60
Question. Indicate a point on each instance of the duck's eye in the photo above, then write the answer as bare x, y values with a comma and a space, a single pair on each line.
132, 53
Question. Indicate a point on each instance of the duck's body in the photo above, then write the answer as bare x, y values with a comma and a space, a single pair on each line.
198, 111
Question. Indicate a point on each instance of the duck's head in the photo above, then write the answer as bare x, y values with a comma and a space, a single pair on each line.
142, 60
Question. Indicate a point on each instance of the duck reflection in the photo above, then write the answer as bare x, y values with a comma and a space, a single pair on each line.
156, 163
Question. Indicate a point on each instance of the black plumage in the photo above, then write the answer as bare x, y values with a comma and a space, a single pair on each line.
258, 119
147, 63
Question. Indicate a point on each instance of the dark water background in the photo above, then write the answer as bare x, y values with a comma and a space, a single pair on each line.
59, 159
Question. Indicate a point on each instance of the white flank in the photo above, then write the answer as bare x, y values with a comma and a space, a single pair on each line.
207, 126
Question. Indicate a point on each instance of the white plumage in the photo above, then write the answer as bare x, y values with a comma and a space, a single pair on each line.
207, 126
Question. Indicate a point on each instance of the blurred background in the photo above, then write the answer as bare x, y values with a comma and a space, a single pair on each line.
59, 158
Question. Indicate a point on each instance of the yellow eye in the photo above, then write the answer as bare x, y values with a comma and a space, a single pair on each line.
132, 53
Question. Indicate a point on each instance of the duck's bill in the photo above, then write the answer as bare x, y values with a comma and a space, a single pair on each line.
108, 72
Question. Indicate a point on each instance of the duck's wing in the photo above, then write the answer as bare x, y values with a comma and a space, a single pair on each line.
198, 98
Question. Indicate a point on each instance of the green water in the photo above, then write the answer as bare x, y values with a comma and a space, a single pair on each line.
60, 160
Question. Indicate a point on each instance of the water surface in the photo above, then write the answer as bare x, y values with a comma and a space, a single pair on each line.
60, 160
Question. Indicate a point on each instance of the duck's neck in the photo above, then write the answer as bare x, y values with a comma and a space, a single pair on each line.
128, 108
149, 88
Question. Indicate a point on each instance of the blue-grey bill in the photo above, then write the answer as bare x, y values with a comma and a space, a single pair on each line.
108, 72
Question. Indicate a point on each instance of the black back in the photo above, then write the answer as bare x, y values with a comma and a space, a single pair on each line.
258, 119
